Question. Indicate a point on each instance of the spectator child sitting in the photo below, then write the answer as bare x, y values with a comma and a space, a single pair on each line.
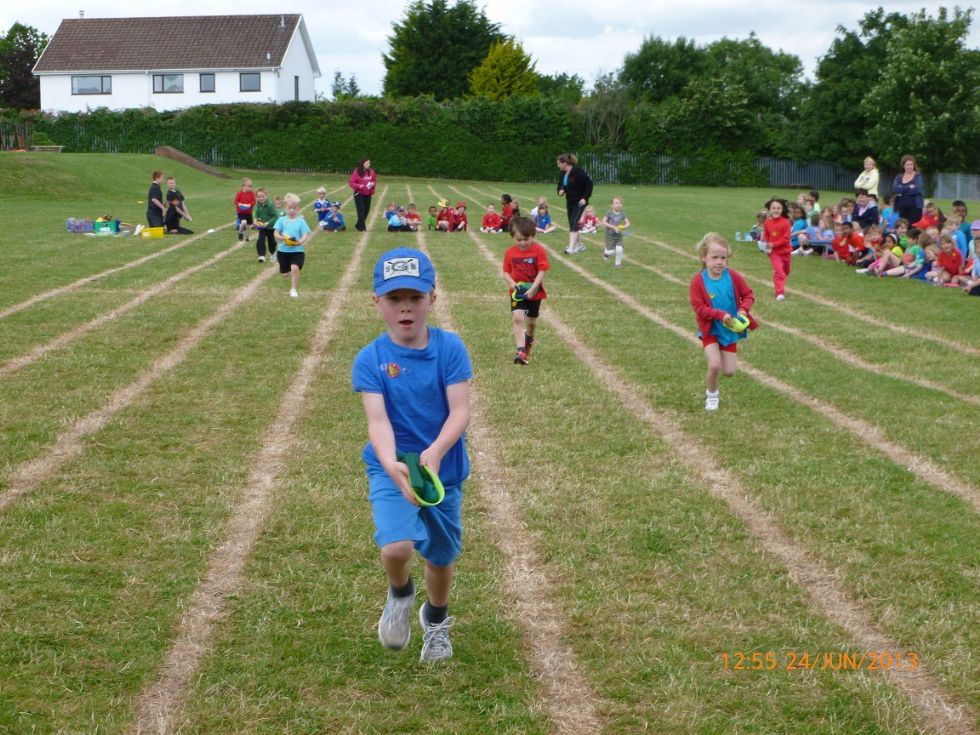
537, 207
755, 232
461, 222
929, 271
952, 226
397, 222
884, 259
509, 210
430, 220
902, 231
321, 207
819, 235
872, 241
542, 220
972, 282
334, 221
446, 219
814, 196
888, 215
949, 262
491, 221
797, 226
849, 245
413, 217
589, 223
866, 211
913, 262
930, 217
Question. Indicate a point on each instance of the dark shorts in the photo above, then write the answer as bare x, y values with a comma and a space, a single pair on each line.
288, 260
244, 218
530, 308
575, 211
713, 340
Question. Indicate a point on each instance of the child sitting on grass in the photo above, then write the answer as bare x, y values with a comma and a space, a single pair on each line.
492, 223
542, 220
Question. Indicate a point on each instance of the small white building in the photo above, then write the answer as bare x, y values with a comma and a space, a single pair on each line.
170, 63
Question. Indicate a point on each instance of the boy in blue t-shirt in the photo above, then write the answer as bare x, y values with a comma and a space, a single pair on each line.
414, 385
291, 233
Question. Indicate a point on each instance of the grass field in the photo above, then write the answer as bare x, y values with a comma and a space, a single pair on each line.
185, 538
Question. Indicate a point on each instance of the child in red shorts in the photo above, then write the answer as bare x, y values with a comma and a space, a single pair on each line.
717, 295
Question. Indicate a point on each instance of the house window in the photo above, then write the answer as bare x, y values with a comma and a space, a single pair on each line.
250, 82
91, 85
207, 82
168, 83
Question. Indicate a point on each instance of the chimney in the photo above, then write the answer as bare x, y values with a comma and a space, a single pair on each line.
282, 21
81, 14
268, 56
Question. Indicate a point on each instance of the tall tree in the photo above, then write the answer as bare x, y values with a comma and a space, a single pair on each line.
605, 111
927, 102
20, 49
660, 69
567, 87
436, 47
507, 71
833, 123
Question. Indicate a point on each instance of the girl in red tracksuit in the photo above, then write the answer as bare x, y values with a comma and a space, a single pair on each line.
776, 234
717, 295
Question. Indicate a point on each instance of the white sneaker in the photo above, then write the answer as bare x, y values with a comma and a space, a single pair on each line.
580, 248
138, 230
293, 293
861, 271
780, 298
394, 629
569, 250
261, 258
711, 402
435, 638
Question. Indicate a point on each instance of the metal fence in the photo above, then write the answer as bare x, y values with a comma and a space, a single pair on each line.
955, 186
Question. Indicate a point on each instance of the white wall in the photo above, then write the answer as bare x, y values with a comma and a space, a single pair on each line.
296, 63
135, 90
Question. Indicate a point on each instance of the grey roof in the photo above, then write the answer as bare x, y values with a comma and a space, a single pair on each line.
185, 42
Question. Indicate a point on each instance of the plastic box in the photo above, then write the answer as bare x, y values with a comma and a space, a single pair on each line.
105, 226
154, 232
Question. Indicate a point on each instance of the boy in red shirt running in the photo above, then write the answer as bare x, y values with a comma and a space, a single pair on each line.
244, 204
525, 263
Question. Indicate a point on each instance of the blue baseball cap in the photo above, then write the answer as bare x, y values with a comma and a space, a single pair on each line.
404, 268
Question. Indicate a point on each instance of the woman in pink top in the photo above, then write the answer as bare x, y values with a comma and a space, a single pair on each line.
364, 182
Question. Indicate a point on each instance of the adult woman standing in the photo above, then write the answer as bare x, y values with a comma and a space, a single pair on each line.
907, 189
868, 179
576, 186
364, 182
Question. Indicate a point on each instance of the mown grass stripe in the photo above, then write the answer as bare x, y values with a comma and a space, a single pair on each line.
940, 713
159, 705
568, 698
921, 467
72, 442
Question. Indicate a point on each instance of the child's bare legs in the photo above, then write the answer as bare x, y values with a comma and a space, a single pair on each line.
294, 277
899, 271
438, 583
396, 558
719, 363
521, 323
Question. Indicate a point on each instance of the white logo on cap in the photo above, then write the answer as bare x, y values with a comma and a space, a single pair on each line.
401, 267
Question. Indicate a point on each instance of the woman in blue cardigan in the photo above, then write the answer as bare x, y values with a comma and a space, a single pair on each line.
907, 189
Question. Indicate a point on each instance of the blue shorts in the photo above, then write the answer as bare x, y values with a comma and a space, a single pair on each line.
437, 531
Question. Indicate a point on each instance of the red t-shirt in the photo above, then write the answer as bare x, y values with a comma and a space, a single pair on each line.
950, 262
244, 202
524, 265
775, 231
447, 215
492, 221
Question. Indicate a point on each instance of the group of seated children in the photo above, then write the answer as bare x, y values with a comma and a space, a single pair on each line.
328, 214
509, 210
936, 249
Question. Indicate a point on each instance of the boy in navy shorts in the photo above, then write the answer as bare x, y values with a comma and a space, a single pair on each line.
414, 385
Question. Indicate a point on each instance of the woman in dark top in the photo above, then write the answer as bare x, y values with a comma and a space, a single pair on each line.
576, 186
907, 189
363, 183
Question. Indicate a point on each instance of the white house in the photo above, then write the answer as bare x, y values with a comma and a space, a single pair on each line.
170, 63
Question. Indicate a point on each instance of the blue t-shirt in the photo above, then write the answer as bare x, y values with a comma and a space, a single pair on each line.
542, 220
722, 295
322, 209
334, 221
294, 228
413, 383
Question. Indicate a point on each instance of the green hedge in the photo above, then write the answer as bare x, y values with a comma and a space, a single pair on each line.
512, 140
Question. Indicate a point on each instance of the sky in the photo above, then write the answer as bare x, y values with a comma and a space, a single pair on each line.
583, 37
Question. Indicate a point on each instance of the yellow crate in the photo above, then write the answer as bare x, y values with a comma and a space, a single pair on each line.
152, 232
